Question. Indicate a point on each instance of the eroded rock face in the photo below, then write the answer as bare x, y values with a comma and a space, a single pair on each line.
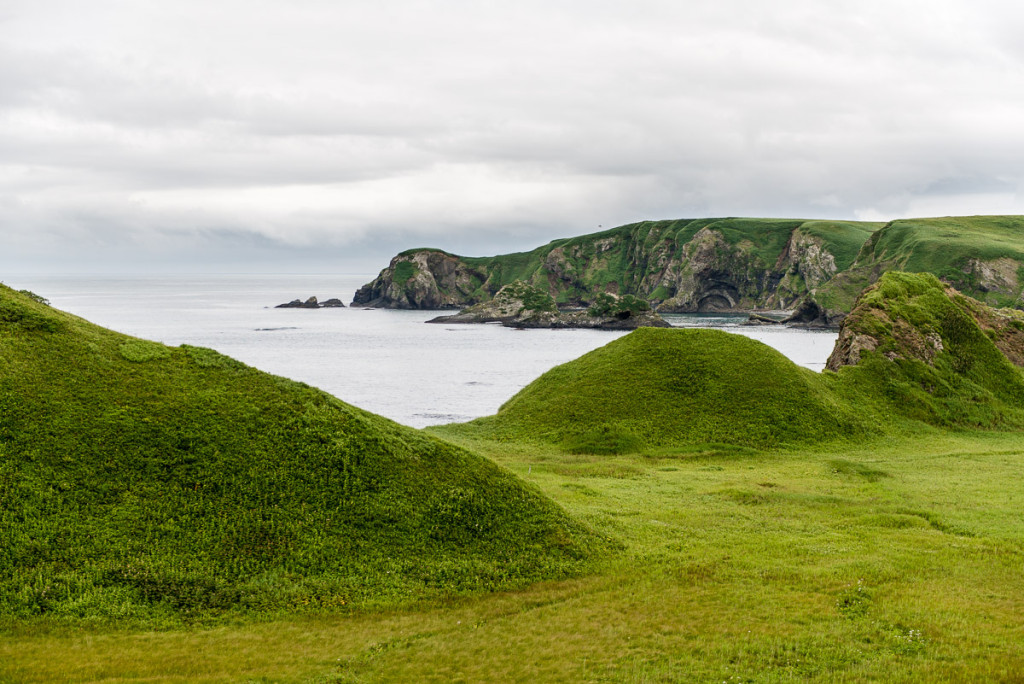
848, 349
426, 279
707, 273
997, 275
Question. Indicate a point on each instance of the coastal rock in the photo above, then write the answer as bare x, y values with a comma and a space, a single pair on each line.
521, 305
758, 319
424, 279
809, 314
310, 303
724, 264
677, 266
333, 303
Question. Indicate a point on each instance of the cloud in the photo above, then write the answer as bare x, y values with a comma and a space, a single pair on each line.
487, 125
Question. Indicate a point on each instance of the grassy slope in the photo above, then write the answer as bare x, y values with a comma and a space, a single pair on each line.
144, 482
683, 388
888, 560
862, 251
664, 388
898, 562
941, 246
970, 383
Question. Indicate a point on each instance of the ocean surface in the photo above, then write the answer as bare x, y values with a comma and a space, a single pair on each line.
389, 362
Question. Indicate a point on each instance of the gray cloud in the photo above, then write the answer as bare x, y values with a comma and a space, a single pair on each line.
481, 127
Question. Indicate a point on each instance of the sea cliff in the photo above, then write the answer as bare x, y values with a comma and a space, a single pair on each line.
813, 267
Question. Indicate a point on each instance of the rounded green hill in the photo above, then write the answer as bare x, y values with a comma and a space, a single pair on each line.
147, 482
658, 388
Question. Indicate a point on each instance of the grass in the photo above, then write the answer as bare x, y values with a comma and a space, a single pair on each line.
983, 256
944, 247
890, 555
163, 486
664, 387
755, 567
676, 388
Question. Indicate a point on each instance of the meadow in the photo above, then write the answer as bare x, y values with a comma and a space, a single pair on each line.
893, 561
676, 506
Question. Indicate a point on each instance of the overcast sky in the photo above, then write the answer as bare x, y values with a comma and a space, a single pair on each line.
259, 135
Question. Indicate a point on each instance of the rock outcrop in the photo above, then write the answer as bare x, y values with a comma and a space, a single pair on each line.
424, 279
677, 266
311, 303
916, 317
520, 305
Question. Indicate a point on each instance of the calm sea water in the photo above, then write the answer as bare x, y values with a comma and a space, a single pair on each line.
388, 362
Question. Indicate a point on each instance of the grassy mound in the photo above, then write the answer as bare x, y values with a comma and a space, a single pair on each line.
662, 388
933, 354
146, 482
914, 351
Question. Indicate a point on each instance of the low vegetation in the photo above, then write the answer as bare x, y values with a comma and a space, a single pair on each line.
658, 388
774, 525
930, 363
982, 256
160, 485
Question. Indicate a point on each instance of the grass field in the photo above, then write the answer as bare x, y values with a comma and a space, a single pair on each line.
744, 520
889, 562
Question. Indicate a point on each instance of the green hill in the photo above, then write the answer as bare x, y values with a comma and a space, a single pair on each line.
913, 353
661, 388
146, 482
725, 264
932, 354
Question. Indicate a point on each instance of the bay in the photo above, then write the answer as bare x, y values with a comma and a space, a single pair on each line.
389, 362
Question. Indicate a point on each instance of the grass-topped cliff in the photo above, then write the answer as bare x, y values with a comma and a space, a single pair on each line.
981, 256
682, 265
724, 264
932, 354
913, 353
139, 481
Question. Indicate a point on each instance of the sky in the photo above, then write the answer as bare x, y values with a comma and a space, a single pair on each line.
325, 136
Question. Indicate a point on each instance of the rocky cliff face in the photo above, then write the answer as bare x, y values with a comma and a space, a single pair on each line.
716, 276
424, 279
816, 268
520, 305
678, 266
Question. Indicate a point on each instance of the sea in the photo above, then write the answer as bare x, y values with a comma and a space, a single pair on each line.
389, 362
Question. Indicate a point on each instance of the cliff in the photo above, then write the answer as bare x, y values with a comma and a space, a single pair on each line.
732, 264
677, 266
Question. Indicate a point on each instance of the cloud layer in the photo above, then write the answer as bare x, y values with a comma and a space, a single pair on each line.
145, 130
